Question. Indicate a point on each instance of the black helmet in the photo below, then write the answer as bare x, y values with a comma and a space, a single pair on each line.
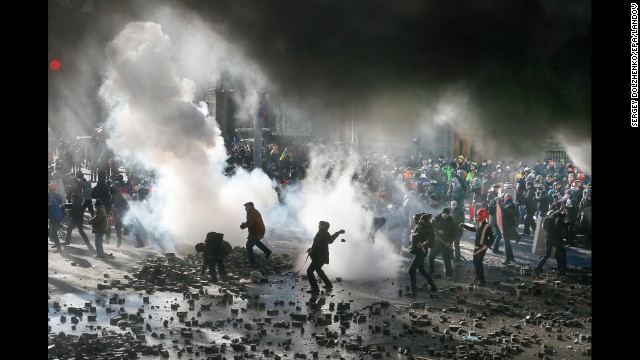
113, 189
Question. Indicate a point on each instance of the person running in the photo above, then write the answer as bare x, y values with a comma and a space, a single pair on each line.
319, 253
76, 212
256, 232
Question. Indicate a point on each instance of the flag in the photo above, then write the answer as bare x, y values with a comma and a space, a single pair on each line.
472, 212
499, 216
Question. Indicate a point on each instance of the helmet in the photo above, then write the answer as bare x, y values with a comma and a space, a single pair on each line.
113, 189
79, 174
52, 187
433, 182
581, 176
481, 215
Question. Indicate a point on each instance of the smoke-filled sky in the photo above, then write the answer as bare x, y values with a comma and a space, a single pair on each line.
513, 71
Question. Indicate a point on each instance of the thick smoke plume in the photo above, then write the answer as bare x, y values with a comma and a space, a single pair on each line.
153, 121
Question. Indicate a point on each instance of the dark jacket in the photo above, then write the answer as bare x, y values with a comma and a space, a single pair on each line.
554, 227
76, 209
99, 222
509, 216
215, 249
422, 234
447, 226
457, 213
482, 237
542, 198
254, 223
529, 200
320, 247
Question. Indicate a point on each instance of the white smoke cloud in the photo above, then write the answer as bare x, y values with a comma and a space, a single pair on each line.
154, 122
339, 200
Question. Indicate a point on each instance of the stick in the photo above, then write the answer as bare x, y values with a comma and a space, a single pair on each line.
305, 261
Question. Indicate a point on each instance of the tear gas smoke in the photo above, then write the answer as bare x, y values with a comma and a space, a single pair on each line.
154, 121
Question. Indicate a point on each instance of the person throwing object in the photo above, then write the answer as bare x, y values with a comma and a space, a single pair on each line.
319, 253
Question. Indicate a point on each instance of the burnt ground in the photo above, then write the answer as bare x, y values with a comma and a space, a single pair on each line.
143, 303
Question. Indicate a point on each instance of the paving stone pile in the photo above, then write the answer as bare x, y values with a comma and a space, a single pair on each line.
166, 309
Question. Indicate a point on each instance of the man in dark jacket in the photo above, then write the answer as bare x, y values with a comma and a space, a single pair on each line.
55, 215
492, 202
256, 232
554, 225
530, 206
421, 238
214, 250
484, 238
319, 253
76, 212
509, 223
445, 230
458, 217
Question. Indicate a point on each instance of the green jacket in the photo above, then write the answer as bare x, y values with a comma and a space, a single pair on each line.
99, 222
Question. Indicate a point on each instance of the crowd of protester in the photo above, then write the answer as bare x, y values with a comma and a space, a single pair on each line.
395, 189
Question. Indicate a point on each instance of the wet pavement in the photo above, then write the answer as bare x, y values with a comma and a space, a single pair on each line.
142, 303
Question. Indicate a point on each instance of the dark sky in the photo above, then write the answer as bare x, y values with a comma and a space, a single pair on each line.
521, 62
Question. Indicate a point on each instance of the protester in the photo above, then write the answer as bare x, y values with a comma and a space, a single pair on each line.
484, 238
214, 250
421, 237
76, 212
509, 224
256, 232
55, 216
319, 253
86, 193
99, 227
458, 217
444, 231
554, 226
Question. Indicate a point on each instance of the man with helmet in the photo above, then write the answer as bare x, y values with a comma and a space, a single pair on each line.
484, 238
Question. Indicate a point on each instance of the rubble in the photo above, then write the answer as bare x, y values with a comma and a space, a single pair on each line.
165, 308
